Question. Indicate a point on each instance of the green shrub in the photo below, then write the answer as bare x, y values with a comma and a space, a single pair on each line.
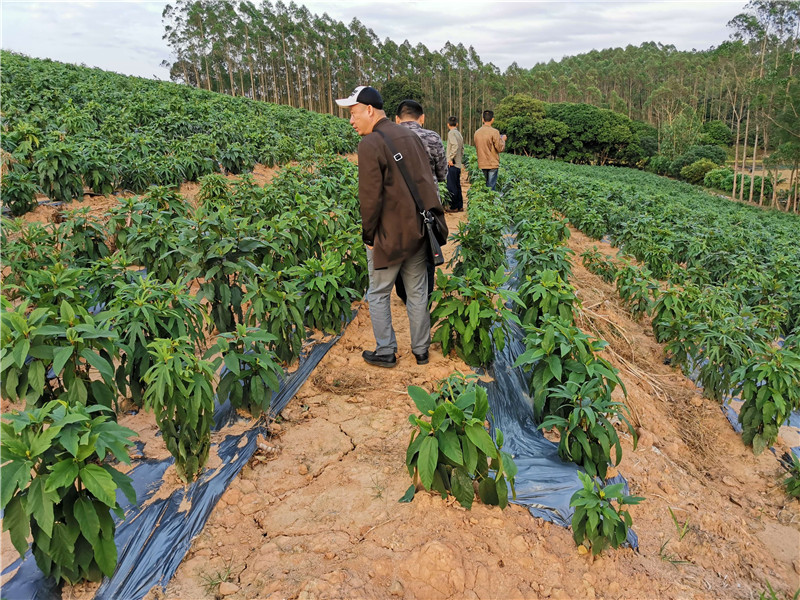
252, 375
587, 434
716, 133
465, 311
717, 178
596, 519
179, 391
58, 489
65, 339
450, 448
659, 164
19, 189
58, 166
769, 385
696, 172
558, 352
713, 153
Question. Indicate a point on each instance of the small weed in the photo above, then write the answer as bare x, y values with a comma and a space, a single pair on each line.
681, 529
771, 594
668, 556
377, 487
211, 583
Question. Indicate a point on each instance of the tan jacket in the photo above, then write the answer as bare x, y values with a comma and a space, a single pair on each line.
455, 147
389, 218
488, 145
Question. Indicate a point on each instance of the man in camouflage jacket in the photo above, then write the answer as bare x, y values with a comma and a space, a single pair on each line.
411, 115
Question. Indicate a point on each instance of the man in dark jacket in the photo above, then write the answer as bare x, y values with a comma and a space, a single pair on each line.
391, 225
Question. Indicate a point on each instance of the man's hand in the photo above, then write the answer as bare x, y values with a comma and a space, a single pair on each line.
504, 137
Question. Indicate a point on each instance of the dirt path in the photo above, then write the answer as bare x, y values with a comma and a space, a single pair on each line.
321, 518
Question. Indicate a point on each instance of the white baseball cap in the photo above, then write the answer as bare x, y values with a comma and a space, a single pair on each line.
363, 94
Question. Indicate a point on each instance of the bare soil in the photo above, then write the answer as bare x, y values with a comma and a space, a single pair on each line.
315, 512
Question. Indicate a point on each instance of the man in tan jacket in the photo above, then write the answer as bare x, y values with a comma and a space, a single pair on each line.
488, 145
392, 227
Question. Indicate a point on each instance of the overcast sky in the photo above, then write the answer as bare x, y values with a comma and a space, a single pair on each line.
126, 36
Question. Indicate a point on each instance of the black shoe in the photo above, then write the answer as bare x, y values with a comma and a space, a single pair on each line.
422, 359
379, 360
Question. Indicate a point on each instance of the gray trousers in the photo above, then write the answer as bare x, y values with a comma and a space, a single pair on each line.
381, 283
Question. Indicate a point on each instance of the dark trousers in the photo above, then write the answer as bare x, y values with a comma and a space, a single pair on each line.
454, 188
401, 289
491, 177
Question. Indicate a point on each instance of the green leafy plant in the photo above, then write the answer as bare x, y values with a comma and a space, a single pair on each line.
252, 372
155, 232
48, 354
769, 385
543, 256
58, 167
587, 434
179, 392
58, 488
275, 305
480, 247
49, 286
722, 346
142, 310
557, 352
792, 482
223, 248
84, 237
596, 519
327, 300
669, 311
214, 190
466, 311
450, 448
636, 288
19, 189
600, 264
549, 295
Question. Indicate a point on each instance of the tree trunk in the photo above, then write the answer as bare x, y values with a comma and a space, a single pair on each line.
753, 168
744, 155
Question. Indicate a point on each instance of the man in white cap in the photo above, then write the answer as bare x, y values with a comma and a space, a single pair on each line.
392, 227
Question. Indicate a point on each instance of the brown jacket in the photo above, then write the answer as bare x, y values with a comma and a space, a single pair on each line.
488, 145
390, 220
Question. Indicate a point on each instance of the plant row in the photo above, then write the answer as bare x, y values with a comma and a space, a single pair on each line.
571, 385
66, 128
142, 311
721, 311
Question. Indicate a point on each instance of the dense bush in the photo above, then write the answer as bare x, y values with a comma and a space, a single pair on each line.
715, 154
716, 178
716, 133
659, 164
696, 172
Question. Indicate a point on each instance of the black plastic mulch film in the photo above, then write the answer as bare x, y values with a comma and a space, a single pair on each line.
153, 539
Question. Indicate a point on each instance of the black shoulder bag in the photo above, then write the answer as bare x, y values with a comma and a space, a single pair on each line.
436, 237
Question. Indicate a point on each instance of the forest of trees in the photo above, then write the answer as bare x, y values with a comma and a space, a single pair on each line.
285, 54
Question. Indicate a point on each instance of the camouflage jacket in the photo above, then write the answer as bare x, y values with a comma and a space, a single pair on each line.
434, 148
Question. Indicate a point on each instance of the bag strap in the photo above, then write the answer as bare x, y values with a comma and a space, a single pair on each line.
398, 159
